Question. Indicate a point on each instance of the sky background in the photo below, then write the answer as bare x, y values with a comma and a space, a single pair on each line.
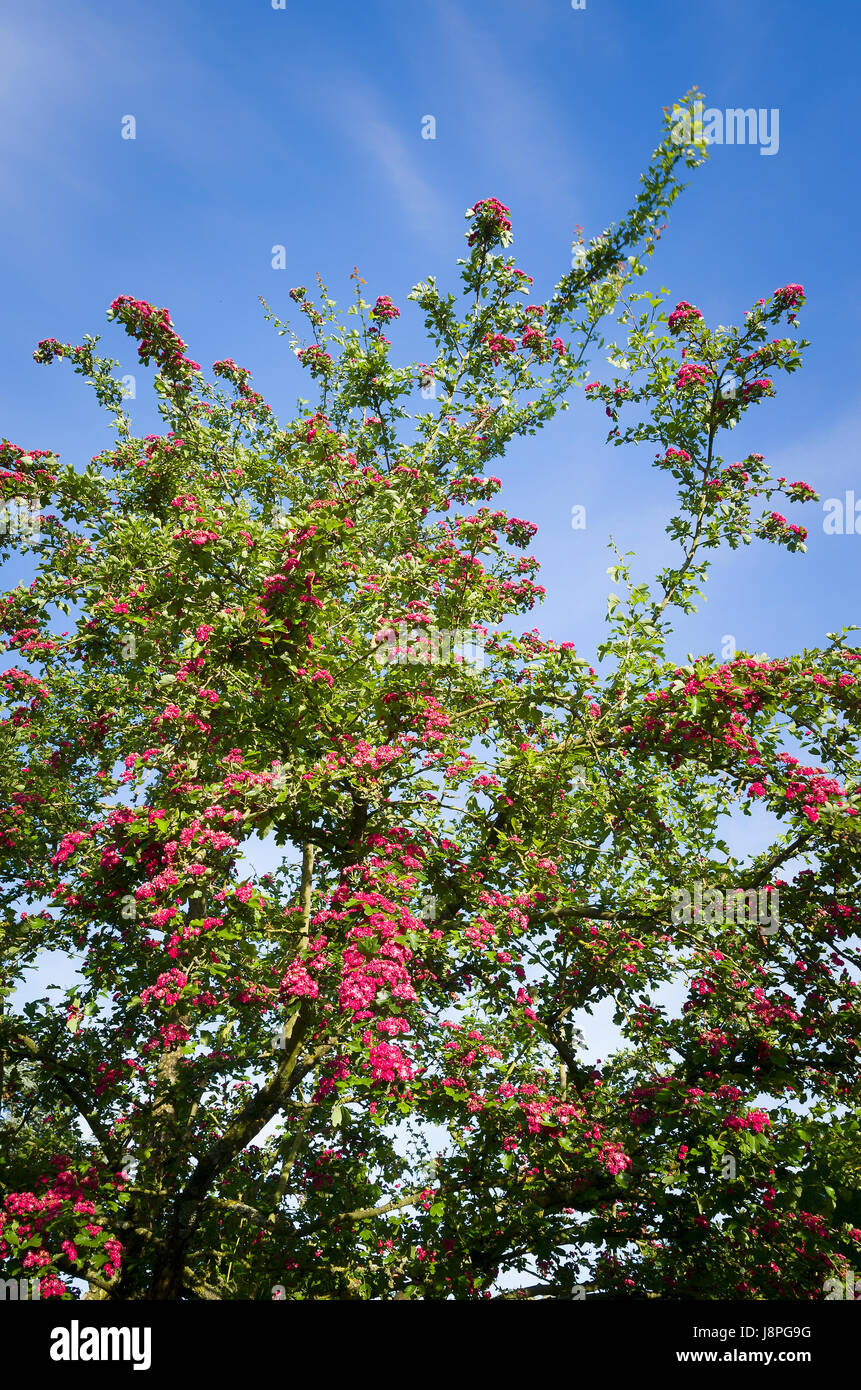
302, 127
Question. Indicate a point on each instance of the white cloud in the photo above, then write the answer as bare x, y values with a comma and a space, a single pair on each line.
823, 457
354, 108
520, 131
389, 149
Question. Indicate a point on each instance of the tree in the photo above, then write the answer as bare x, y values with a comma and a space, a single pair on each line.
357, 1076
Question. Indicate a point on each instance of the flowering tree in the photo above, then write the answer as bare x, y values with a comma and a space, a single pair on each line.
357, 1076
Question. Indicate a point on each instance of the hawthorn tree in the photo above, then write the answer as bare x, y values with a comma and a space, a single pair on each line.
358, 1076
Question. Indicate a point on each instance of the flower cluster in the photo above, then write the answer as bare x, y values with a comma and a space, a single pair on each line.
47, 350
499, 346
316, 359
388, 1063
240, 377
692, 374
789, 296
158, 340
37, 1224
535, 340
775, 527
682, 314
384, 310
492, 222
166, 989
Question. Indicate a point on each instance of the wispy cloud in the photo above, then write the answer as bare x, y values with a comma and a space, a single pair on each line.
356, 111
397, 161
50, 131
45, 70
825, 457
518, 127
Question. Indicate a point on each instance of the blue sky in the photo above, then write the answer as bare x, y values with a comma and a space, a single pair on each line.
302, 127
